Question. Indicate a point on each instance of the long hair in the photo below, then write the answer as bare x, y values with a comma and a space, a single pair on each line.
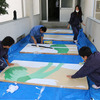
80, 11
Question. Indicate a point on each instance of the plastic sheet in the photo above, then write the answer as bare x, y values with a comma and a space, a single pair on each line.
30, 92
83, 41
58, 34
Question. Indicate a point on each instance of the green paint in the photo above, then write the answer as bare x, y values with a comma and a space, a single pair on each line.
40, 73
58, 45
51, 72
14, 73
19, 73
36, 74
60, 49
24, 78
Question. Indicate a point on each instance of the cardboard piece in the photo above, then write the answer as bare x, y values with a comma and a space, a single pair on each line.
43, 74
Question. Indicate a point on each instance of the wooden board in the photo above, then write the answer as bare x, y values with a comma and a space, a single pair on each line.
66, 31
58, 37
61, 49
43, 74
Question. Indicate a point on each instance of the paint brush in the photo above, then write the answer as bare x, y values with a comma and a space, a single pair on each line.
41, 46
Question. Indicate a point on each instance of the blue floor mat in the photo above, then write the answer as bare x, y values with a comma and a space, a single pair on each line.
31, 92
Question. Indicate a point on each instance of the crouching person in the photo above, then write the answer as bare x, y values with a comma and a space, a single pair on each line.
91, 67
5, 44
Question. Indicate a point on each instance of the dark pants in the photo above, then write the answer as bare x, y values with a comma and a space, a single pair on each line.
38, 40
75, 31
3, 65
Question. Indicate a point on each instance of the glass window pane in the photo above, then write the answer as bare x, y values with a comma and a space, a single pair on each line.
97, 11
36, 7
98, 16
43, 7
98, 6
66, 3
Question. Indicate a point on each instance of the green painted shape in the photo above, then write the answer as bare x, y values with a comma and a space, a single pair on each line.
14, 73
23, 79
40, 73
36, 74
51, 72
58, 45
44, 68
60, 49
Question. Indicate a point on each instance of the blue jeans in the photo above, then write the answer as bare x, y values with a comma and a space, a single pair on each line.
75, 31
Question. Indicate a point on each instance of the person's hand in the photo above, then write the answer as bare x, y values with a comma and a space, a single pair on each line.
10, 64
41, 42
37, 46
68, 26
35, 42
68, 76
83, 24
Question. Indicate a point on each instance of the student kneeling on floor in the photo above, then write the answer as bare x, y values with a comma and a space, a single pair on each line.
5, 44
91, 67
36, 34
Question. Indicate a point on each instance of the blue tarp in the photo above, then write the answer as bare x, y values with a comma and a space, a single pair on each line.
31, 92
84, 41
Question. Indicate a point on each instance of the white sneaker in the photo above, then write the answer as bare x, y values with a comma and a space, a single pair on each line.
95, 87
75, 41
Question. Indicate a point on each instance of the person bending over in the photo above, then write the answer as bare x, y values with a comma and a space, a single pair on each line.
36, 34
5, 44
91, 67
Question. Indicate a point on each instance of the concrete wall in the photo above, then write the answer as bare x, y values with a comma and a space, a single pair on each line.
88, 10
13, 5
36, 19
15, 28
93, 31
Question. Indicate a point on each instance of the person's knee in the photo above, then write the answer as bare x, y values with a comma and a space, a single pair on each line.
3, 66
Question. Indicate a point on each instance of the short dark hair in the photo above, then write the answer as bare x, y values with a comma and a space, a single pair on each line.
43, 28
7, 41
85, 51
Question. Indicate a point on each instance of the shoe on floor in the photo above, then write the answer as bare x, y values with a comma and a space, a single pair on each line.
75, 41
95, 87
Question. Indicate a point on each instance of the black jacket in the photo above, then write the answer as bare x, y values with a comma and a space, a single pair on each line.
91, 68
75, 20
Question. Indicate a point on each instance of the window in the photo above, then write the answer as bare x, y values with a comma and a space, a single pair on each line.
44, 10
36, 7
66, 3
98, 6
97, 9
13, 5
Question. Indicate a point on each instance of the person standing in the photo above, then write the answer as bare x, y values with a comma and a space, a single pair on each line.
75, 22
